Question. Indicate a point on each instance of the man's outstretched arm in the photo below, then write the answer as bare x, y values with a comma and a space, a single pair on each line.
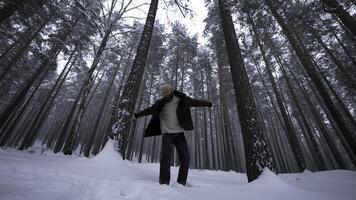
147, 111
198, 102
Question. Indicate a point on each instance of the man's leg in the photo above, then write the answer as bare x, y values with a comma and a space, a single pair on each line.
166, 149
183, 154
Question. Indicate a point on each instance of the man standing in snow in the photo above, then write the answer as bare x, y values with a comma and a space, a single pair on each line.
170, 118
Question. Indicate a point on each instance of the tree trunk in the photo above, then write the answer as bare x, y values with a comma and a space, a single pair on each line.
333, 6
20, 52
291, 133
209, 93
309, 66
256, 153
349, 78
84, 93
345, 49
40, 117
12, 6
323, 129
112, 117
126, 106
89, 143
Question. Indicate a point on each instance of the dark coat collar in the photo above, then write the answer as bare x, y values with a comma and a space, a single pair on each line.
179, 94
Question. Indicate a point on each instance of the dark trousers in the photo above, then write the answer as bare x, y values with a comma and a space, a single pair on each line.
181, 145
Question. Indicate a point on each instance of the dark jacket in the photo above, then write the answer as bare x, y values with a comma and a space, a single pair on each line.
183, 112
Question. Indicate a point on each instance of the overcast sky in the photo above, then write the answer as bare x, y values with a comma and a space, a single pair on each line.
168, 16
194, 25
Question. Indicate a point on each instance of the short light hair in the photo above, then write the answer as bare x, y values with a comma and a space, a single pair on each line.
168, 87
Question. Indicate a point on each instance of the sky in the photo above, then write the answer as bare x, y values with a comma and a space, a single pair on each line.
195, 25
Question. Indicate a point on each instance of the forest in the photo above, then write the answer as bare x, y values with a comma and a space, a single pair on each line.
281, 76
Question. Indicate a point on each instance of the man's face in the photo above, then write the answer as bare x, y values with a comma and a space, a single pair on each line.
166, 91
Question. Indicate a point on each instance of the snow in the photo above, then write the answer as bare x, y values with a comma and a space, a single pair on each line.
108, 154
25, 175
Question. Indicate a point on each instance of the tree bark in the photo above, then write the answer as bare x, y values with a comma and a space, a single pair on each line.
290, 130
305, 59
20, 95
12, 6
333, 6
349, 78
126, 106
256, 153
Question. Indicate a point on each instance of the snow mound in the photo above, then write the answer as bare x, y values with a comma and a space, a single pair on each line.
38, 148
109, 154
307, 171
269, 179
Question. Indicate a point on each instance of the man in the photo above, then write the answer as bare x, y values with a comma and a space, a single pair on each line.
171, 117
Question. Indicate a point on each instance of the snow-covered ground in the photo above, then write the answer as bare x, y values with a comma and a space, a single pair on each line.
26, 176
